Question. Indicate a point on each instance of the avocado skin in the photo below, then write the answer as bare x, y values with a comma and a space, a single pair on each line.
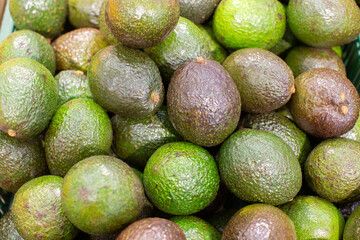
7, 228
45, 17
20, 161
218, 52
84, 13
351, 231
152, 228
28, 97
74, 50
79, 129
259, 221
203, 102
197, 11
104, 28
126, 81
354, 133
184, 43
28, 44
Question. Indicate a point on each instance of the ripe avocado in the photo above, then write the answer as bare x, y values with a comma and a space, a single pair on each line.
352, 227
79, 129
142, 23
28, 97
203, 102
152, 228
75, 49
84, 13
126, 81
197, 11
20, 161
45, 17
258, 166
28, 44
218, 52
7, 228
104, 28
259, 221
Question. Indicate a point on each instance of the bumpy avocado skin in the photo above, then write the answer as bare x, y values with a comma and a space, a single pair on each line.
79, 129
197, 11
352, 229
45, 17
7, 228
218, 52
28, 44
84, 13
104, 28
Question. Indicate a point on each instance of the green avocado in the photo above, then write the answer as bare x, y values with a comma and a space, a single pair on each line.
352, 226
104, 27
84, 13
354, 133
7, 228
218, 52
197, 11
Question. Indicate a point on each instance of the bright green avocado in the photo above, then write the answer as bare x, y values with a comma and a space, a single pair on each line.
352, 226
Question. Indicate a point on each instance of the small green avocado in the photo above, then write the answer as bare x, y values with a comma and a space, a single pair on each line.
84, 13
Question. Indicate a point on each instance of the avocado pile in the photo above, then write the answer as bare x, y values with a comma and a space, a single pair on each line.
179, 119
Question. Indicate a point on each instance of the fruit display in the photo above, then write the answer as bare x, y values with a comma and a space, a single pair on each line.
180, 119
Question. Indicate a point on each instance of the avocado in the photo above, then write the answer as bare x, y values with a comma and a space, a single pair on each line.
141, 23
181, 178
75, 49
101, 194
28, 97
45, 17
352, 229
258, 166
186, 42
104, 28
285, 43
195, 228
315, 218
152, 228
282, 127
325, 104
126, 81
7, 228
136, 139
259, 221
72, 84
84, 13
79, 129
303, 58
218, 52
38, 213
354, 133
332, 170
324, 23
264, 80
28, 44
220, 219
203, 102
197, 11
20, 161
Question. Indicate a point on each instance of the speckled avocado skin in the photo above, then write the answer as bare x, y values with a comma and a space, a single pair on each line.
45, 17
84, 13
7, 228
198, 11
104, 28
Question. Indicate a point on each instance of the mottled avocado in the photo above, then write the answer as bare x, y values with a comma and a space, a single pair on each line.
352, 229
104, 28
84, 13
7, 228
197, 11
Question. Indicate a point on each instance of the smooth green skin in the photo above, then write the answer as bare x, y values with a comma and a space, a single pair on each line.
218, 52
7, 228
101, 194
195, 228
45, 17
104, 28
284, 128
264, 80
332, 170
142, 23
79, 129
184, 43
315, 218
28, 44
72, 84
138, 173
126, 81
354, 133
181, 178
197, 11
338, 50
135, 140
303, 58
324, 23
74, 50
203, 102
259, 221
28, 97
352, 226
285, 111
38, 213
249, 24
20, 161
258, 166
84, 13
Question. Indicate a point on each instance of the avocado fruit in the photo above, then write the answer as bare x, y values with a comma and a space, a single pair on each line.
197, 11
84, 13
20, 161
259, 221
45, 17
325, 104
141, 23
101, 194
28, 97
354, 133
126, 81
104, 28
352, 229
203, 102
75, 49
7, 228
218, 52
38, 213
152, 228
28, 44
